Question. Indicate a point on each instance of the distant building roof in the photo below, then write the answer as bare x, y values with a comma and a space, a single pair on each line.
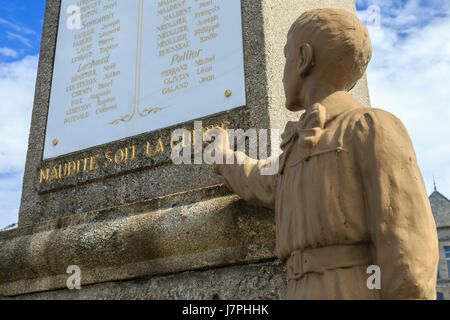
440, 206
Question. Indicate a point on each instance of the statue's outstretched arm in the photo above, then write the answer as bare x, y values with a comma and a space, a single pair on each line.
251, 179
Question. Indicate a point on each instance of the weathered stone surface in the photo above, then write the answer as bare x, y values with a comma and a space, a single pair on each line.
263, 281
126, 243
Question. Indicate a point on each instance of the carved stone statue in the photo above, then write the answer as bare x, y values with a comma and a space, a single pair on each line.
349, 193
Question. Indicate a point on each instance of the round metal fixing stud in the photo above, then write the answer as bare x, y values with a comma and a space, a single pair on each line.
228, 93
55, 142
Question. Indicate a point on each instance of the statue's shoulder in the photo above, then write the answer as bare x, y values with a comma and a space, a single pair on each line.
374, 119
366, 123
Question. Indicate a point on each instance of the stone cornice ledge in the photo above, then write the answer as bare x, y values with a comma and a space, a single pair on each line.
206, 234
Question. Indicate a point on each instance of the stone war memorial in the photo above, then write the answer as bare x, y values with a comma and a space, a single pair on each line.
106, 212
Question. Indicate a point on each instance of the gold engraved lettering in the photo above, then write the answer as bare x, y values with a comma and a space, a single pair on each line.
60, 171
208, 20
177, 14
207, 12
204, 70
188, 55
84, 34
78, 109
109, 6
54, 174
76, 101
159, 149
171, 24
122, 156
78, 166
84, 75
73, 165
205, 3
133, 152
44, 175
108, 158
172, 7
206, 79
208, 37
85, 164
94, 165
77, 117
87, 24
207, 29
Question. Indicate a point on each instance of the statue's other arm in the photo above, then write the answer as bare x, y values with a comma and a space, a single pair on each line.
398, 212
246, 178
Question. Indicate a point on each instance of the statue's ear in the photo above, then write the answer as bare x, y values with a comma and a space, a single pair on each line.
306, 61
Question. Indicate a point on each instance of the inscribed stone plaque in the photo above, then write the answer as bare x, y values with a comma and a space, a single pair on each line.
135, 66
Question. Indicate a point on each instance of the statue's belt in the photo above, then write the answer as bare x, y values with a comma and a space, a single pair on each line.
318, 260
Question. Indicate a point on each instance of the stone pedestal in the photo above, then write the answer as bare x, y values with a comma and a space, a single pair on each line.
152, 229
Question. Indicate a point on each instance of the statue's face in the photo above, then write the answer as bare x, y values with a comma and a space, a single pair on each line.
292, 80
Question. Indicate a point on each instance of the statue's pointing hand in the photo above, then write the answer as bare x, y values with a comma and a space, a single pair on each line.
216, 148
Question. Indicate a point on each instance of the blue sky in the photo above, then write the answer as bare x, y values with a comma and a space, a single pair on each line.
20, 28
408, 76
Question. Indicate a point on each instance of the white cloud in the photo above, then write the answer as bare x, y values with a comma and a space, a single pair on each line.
17, 81
409, 76
17, 27
10, 191
8, 52
15, 36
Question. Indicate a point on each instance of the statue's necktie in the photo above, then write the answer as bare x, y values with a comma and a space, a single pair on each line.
307, 132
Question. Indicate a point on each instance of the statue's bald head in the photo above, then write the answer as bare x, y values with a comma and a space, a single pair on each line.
340, 40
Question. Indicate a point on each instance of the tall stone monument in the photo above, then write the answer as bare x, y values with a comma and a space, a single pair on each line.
102, 198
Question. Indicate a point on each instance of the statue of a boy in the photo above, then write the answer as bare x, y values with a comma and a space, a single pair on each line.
349, 193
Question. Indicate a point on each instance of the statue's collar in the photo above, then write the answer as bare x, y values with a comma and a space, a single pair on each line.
332, 112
